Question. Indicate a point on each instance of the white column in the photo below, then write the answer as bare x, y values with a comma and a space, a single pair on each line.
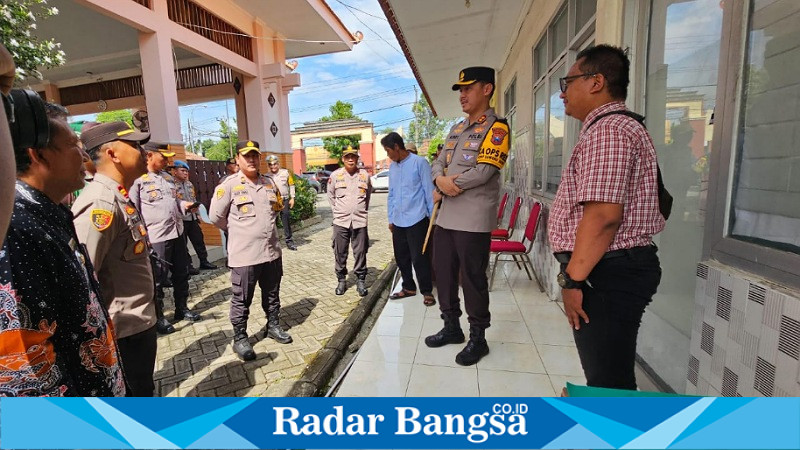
161, 95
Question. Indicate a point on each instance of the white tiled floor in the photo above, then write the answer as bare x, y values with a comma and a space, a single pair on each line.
532, 352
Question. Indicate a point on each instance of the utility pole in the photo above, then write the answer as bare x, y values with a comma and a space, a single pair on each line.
228, 123
191, 140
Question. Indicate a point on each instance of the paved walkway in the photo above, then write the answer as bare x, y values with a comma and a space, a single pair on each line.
198, 359
532, 352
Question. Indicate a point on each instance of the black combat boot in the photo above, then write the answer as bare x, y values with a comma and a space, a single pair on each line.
476, 348
361, 287
277, 333
241, 345
193, 270
450, 334
182, 311
341, 287
205, 265
162, 324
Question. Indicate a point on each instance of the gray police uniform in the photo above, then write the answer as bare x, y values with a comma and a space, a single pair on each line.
155, 196
115, 236
476, 152
247, 211
349, 198
285, 182
191, 226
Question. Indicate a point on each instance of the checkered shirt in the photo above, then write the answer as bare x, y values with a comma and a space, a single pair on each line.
614, 161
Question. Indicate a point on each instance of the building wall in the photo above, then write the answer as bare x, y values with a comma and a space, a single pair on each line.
745, 336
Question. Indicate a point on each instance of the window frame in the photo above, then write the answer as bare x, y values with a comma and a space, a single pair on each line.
777, 265
510, 112
576, 41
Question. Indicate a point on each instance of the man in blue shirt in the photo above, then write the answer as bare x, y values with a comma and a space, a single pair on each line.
410, 205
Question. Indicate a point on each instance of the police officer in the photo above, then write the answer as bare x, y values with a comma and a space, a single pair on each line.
230, 167
116, 240
349, 190
285, 182
246, 205
191, 226
155, 196
467, 175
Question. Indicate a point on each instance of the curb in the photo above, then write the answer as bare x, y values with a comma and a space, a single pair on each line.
319, 370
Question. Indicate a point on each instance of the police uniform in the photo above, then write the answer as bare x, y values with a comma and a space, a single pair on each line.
248, 210
349, 196
476, 152
285, 182
155, 196
191, 226
116, 240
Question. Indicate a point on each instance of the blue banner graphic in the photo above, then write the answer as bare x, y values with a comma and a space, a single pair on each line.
546, 423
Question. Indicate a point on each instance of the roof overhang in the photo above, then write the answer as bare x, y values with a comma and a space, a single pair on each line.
477, 35
310, 27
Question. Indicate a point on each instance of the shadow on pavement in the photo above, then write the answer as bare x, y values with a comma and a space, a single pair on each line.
195, 357
225, 380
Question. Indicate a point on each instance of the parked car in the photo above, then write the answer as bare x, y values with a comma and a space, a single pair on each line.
380, 182
321, 176
312, 180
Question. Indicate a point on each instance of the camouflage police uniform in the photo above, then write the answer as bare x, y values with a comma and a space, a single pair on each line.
248, 210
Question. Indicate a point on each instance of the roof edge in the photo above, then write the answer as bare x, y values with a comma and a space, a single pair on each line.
398, 33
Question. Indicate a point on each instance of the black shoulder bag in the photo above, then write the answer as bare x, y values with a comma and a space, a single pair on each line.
664, 197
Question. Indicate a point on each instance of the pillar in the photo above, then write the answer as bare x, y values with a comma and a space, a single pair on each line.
161, 96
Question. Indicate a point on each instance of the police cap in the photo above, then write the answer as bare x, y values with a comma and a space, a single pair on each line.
473, 74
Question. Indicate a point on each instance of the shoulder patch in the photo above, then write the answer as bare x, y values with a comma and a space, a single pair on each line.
139, 248
145, 177
101, 219
495, 147
220, 192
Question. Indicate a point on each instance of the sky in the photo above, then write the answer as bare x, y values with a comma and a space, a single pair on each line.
375, 77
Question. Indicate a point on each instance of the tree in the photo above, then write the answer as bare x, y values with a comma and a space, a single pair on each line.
387, 130
425, 126
334, 145
222, 149
201, 147
123, 115
17, 24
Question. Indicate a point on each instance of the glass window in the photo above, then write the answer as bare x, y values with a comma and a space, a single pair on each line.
510, 104
540, 59
557, 122
682, 71
558, 35
584, 10
766, 190
539, 135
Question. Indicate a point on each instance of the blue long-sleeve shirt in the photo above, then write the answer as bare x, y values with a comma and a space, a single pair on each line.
410, 191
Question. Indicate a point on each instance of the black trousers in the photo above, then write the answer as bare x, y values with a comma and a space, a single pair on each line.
466, 254
286, 220
620, 290
243, 283
192, 231
342, 237
138, 353
174, 253
407, 243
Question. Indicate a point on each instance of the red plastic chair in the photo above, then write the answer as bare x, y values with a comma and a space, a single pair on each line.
519, 249
504, 234
502, 209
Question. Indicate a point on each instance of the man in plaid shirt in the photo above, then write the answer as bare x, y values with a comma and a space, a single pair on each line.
604, 217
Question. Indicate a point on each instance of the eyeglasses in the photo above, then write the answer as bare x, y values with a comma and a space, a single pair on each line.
563, 82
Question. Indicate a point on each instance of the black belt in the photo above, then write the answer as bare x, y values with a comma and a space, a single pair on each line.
564, 257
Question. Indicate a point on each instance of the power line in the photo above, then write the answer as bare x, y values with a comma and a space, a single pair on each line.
361, 11
364, 98
375, 33
394, 121
384, 108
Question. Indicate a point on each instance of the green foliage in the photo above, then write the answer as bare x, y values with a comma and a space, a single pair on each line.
439, 139
334, 145
305, 200
201, 147
123, 115
425, 125
386, 130
17, 24
224, 148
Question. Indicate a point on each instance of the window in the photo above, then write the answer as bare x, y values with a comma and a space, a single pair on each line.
766, 195
510, 105
756, 224
554, 134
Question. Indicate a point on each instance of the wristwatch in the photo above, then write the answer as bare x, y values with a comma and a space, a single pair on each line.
568, 283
